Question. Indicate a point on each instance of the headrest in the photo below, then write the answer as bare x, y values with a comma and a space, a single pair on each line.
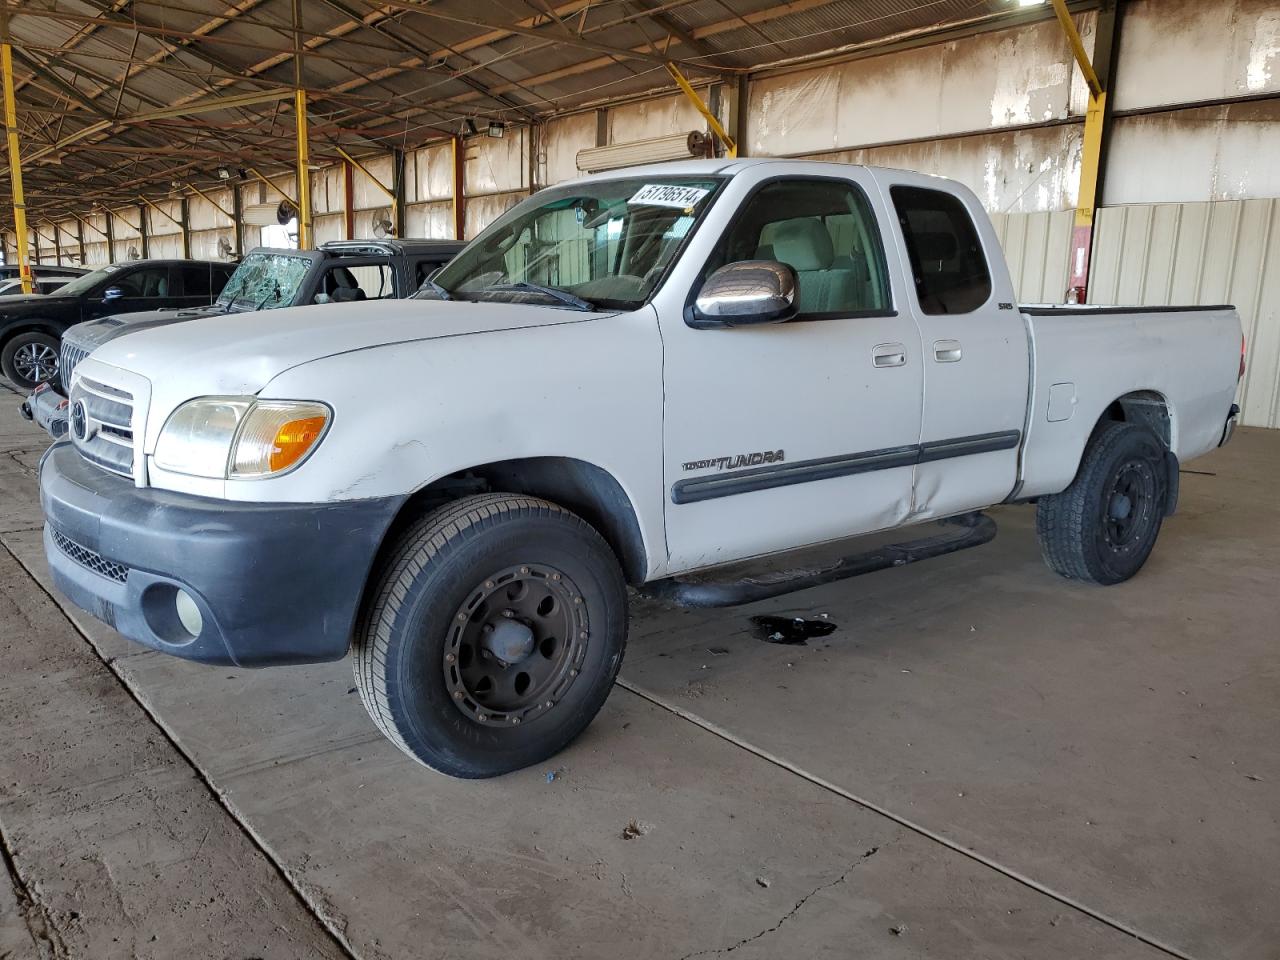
935, 246
803, 243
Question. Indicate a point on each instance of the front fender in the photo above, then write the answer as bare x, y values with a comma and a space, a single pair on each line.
409, 414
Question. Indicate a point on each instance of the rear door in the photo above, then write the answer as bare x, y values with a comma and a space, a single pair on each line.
194, 285
974, 343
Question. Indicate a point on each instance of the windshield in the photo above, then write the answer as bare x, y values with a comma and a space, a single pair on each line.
605, 243
86, 282
265, 280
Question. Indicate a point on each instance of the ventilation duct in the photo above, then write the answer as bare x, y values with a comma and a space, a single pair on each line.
677, 146
267, 214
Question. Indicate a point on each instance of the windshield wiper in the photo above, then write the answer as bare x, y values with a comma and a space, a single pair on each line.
439, 291
274, 293
524, 286
231, 298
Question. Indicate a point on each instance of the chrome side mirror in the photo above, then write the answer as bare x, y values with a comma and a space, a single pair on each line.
112, 293
746, 292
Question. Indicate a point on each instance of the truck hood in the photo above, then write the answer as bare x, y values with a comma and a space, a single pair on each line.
94, 333
239, 354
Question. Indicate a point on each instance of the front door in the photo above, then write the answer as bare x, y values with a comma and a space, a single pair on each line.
788, 434
974, 344
129, 289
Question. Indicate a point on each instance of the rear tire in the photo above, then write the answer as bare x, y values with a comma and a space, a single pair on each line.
30, 359
1101, 529
494, 632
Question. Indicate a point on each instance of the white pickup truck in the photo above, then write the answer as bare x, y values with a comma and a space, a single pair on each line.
639, 378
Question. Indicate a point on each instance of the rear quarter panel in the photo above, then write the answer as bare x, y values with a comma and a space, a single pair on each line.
1188, 357
1191, 358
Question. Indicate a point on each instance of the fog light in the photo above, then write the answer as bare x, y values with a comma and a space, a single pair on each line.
188, 613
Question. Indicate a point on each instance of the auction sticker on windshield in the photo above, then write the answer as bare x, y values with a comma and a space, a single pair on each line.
667, 195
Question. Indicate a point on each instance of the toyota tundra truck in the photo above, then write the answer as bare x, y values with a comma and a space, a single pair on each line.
647, 378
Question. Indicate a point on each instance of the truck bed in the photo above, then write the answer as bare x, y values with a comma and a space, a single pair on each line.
1084, 358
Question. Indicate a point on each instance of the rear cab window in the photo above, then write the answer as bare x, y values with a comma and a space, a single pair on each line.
947, 262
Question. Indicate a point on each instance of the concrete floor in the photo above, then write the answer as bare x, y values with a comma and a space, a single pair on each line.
982, 760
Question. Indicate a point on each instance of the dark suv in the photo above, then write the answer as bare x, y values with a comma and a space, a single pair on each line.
31, 325
344, 271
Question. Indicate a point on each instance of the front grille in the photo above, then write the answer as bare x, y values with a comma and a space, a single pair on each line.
92, 561
100, 423
72, 354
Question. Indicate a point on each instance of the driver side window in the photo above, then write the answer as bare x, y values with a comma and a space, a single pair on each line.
143, 282
826, 232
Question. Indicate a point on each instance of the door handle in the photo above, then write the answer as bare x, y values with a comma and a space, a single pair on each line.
888, 355
946, 351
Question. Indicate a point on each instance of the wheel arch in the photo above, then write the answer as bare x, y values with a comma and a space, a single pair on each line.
587, 489
1148, 408
30, 325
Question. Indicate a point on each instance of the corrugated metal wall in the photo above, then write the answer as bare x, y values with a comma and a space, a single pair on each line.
1037, 247
1201, 253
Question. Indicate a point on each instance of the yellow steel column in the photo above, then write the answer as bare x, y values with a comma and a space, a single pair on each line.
1095, 131
304, 173
300, 118
730, 145
1087, 202
15, 158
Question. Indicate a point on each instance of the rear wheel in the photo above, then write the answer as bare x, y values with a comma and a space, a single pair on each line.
1101, 529
30, 359
494, 634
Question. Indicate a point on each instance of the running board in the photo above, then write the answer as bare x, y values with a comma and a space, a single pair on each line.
970, 530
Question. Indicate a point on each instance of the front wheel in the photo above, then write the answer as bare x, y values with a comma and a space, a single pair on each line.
30, 359
493, 635
1101, 529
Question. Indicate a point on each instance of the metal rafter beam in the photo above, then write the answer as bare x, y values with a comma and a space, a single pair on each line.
412, 46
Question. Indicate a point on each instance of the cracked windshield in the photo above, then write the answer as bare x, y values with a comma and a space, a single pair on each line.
265, 281
601, 244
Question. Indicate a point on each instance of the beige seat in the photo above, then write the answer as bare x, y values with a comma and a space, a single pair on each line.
805, 245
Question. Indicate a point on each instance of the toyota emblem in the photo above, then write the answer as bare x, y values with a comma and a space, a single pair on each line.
79, 421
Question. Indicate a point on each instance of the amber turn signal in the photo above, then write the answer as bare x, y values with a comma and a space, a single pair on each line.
293, 440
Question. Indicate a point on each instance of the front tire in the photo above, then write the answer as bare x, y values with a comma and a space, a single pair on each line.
493, 635
1101, 529
30, 359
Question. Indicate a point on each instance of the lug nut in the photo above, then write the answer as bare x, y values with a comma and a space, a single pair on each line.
555, 576
583, 635
481, 717
524, 571
462, 618
450, 658
508, 614
488, 584
549, 704
515, 720
573, 673
457, 694
577, 600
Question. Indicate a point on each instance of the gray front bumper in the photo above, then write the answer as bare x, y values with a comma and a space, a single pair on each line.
274, 583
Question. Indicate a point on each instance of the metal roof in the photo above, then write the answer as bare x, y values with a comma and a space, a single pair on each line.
98, 81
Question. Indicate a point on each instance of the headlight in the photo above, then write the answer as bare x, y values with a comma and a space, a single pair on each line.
239, 437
